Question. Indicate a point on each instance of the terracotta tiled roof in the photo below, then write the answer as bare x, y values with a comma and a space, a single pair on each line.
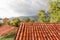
38, 31
6, 29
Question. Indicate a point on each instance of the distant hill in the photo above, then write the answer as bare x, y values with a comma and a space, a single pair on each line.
23, 17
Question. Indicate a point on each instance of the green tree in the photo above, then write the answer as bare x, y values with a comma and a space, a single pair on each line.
32, 20
0, 23
27, 20
16, 22
54, 11
8, 22
42, 16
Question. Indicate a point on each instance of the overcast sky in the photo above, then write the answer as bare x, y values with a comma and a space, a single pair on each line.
15, 8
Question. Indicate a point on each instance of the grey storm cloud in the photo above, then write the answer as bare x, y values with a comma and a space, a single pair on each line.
28, 7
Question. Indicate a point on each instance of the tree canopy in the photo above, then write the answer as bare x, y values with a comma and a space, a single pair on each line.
53, 11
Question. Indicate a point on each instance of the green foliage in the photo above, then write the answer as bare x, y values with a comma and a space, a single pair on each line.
42, 16
27, 20
15, 22
54, 11
32, 20
8, 22
0, 24
9, 37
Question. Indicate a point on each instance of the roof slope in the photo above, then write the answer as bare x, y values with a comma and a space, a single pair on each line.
6, 29
38, 31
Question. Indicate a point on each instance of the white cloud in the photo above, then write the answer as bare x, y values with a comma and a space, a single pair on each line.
29, 7
5, 10
14, 8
